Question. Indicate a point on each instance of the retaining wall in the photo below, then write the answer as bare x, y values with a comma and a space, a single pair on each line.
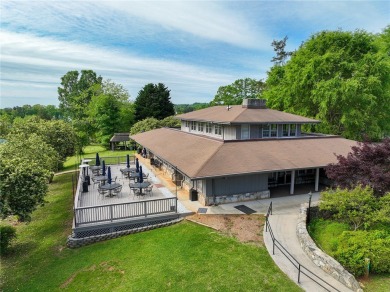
321, 259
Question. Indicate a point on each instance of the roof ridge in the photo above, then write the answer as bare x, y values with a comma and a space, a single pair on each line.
208, 159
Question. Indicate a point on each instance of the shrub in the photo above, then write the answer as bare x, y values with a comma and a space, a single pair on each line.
355, 247
7, 234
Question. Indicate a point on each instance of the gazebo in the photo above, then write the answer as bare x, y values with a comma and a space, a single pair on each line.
120, 141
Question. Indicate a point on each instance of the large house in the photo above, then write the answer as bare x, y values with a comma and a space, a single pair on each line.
237, 153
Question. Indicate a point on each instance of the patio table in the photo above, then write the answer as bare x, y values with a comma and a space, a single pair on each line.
140, 186
95, 167
127, 170
110, 187
101, 178
135, 175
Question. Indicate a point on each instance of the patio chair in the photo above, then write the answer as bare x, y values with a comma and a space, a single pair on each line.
117, 190
149, 190
102, 192
135, 191
95, 182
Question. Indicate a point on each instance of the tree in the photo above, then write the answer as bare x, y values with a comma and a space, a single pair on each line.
354, 207
26, 165
368, 164
340, 78
186, 108
153, 101
23, 187
145, 125
281, 54
76, 93
111, 111
170, 122
234, 93
105, 112
56, 133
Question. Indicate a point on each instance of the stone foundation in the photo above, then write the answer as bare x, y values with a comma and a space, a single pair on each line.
73, 242
233, 198
321, 259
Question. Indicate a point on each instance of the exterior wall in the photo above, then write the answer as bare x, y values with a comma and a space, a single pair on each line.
229, 132
235, 189
234, 132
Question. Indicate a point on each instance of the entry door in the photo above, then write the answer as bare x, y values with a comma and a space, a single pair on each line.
244, 132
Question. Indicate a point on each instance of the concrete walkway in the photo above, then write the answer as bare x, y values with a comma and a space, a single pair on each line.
284, 222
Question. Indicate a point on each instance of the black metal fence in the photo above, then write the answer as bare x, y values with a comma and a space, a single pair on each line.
112, 159
115, 212
300, 268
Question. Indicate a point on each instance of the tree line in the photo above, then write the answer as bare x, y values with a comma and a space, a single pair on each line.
341, 78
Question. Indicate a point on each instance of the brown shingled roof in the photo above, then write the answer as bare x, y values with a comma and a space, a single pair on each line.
200, 157
238, 114
120, 137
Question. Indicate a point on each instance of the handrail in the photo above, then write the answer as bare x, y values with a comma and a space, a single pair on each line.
292, 260
106, 213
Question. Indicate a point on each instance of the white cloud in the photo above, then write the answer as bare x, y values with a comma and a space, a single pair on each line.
207, 19
29, 61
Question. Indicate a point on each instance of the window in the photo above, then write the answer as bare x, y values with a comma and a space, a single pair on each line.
217, 130
200, 127
286, 130
266, 133
244, 132
208, 128
289, 130
293, 130
187, 124
274, 130
193, 126
270, 131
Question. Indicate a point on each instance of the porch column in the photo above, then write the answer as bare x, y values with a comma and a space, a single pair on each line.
292, 182
317, 179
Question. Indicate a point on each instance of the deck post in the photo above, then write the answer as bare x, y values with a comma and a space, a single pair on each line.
317, 179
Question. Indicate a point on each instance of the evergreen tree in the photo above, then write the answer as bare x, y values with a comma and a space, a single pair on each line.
153, 101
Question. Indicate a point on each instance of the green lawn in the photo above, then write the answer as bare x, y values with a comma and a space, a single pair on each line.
185, 256
325, 233
73, 162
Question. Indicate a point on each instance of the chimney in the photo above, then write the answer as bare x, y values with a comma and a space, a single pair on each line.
254, 103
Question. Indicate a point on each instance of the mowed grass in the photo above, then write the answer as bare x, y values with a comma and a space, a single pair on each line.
73, 162
325, 233
181, 257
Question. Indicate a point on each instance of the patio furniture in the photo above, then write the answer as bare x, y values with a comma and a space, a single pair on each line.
95, 182
139, 186
117, 190
110, 188
149, 190
126, 171
102, 191
101, 179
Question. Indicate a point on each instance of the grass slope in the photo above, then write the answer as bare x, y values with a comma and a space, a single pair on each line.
185, 256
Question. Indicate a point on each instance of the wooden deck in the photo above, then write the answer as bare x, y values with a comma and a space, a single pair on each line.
93, 198
92, 207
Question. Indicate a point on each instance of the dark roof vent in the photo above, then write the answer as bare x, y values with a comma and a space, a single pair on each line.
254, 103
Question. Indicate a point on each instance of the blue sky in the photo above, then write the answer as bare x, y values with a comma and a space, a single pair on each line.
193, 47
